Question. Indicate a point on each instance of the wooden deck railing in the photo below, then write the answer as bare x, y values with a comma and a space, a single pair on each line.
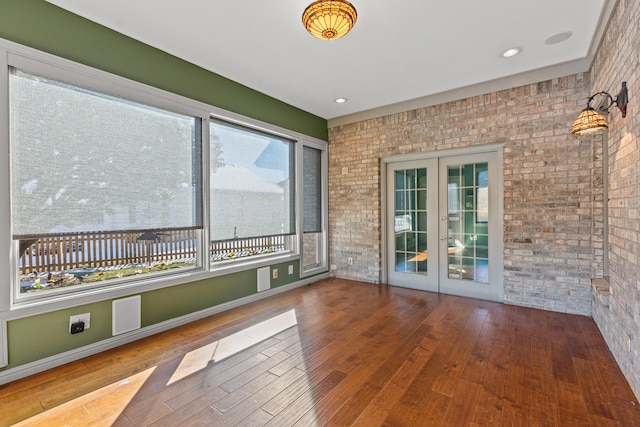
90, 250
238, 248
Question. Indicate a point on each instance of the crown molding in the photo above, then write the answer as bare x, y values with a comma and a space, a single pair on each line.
529, 77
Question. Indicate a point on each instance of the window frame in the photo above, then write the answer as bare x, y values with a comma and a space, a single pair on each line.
293, 209
88, 78
37, 62
322, 252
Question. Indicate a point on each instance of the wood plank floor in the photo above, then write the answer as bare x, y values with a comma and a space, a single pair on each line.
343, 353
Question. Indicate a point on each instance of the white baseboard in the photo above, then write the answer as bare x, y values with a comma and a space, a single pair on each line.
31, 368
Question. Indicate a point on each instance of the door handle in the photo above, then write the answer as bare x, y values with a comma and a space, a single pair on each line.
443, 237
443, 218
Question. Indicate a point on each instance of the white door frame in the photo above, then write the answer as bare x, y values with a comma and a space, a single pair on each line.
429, 280
498, 182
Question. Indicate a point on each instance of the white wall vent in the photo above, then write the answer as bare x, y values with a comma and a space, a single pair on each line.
125, 315
264, 279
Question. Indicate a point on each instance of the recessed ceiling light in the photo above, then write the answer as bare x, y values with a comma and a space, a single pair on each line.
341, 100
558, 38
511, 52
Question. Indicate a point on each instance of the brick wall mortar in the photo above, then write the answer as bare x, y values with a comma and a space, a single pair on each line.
549, 188
617, 60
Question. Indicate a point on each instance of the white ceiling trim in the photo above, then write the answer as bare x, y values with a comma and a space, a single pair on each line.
529, 77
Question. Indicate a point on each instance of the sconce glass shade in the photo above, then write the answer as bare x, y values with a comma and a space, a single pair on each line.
329, 19
589, 121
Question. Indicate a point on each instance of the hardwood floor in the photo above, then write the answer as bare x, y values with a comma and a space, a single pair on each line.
343, 353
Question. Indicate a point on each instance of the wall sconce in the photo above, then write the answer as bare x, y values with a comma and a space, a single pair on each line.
591, 120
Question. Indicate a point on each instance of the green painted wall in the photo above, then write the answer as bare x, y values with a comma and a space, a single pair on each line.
43, 26
40, 25
36, 337
33, 338
181, 300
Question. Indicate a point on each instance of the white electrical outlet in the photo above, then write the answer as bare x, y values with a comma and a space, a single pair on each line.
274, 273
85, 317
333, 267
349, 261
291, 269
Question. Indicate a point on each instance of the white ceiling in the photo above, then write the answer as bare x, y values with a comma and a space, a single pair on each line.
398, 51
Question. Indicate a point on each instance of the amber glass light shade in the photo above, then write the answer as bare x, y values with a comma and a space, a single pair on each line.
329, 19
589, 121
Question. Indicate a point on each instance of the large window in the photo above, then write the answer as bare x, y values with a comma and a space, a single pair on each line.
314, 214
101, 188
252, 192
111, 185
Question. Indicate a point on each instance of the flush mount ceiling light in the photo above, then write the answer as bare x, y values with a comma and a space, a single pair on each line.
511, 52
593, 120
329, 19
340, 100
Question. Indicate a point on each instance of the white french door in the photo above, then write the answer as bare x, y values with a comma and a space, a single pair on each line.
412, 226
444, 225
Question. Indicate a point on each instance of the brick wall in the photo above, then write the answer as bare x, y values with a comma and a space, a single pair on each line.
617, 60
551, 235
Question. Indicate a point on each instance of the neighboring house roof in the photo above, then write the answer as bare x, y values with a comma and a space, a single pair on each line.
275, 156
239, 178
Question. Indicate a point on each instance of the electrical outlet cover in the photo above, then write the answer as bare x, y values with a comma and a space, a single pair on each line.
85, 317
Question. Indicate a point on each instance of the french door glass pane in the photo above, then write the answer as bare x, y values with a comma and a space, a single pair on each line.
468, 205
411, 220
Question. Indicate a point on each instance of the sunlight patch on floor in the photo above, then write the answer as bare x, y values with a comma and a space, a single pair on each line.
101, 407
199, 358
